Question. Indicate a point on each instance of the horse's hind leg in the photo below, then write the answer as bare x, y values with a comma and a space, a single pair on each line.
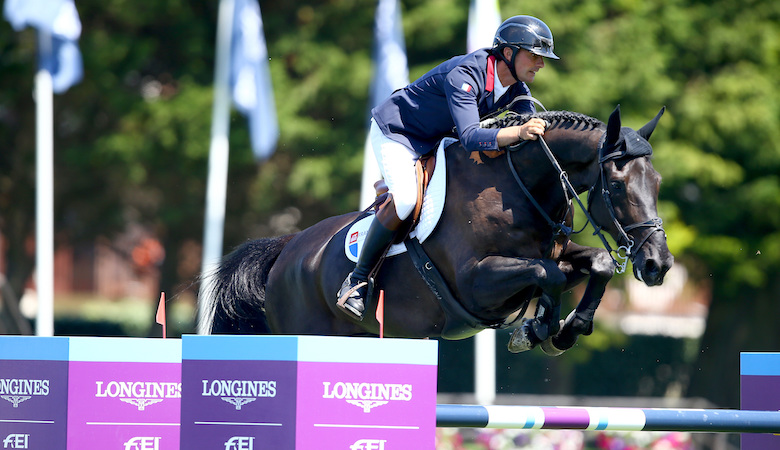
541, 328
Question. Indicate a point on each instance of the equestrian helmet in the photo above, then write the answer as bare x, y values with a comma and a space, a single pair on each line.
526, 32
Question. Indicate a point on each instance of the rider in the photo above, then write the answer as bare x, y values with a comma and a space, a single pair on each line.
452, 96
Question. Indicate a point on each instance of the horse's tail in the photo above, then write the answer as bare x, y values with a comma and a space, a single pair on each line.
235, 298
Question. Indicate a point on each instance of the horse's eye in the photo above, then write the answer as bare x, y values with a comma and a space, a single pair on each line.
616, 185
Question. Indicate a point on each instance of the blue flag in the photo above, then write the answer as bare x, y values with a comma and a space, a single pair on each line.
250, 78
391, 71
60, 20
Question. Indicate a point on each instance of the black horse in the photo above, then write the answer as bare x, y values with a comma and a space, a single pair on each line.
502, 241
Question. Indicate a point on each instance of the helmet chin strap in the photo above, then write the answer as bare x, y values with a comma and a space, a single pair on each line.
510, 64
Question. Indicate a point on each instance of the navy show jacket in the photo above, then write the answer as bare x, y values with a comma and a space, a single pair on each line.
454, 94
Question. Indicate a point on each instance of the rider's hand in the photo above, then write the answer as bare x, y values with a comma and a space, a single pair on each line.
518, 133
531, 129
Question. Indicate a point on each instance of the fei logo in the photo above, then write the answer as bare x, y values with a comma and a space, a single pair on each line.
368, 444
17, 390
143, 443
367, 395
16, 441
240, 443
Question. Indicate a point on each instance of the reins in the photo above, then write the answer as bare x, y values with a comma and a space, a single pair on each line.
559, 228
624, 252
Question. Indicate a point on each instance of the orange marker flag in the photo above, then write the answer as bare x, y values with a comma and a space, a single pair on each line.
380, 313
160, 317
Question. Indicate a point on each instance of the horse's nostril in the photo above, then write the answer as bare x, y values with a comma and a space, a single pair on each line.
652, 271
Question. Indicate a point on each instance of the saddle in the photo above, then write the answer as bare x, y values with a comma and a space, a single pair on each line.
425, 166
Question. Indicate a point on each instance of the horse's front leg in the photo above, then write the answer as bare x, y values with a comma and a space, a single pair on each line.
577, 263
500, 285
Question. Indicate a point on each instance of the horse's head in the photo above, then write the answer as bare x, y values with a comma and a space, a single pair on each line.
623, 201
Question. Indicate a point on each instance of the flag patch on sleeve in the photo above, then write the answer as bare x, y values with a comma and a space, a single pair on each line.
466, 87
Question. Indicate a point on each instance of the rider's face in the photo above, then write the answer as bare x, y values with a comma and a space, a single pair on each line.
527, 64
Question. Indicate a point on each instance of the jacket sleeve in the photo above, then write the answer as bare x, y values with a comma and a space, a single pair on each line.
462, 89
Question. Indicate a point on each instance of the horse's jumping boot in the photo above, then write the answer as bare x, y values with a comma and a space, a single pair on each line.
571, 329
548, 345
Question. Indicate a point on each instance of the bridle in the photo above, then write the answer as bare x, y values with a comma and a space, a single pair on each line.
626, 245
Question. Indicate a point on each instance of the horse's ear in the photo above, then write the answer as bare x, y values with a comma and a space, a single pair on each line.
647, 130
613, 128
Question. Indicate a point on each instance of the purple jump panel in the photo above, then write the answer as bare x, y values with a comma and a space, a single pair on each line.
33, 392
364, 393
124, 393
239, 392
305, 392
760, 390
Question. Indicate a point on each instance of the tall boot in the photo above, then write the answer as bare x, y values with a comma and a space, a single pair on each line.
352, 295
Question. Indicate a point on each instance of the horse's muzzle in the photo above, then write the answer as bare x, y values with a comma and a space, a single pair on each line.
651, 268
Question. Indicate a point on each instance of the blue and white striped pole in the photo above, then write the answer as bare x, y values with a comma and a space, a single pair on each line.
612, 419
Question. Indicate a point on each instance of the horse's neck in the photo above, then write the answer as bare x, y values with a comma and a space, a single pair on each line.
577, 153
474, 174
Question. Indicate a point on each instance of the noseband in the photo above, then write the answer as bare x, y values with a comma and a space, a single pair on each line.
625, 251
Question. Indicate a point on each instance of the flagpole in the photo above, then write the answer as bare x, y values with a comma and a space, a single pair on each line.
214, 220
390, 73
484, 19
44, 193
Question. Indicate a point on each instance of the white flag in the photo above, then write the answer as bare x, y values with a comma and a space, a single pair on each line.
484, 20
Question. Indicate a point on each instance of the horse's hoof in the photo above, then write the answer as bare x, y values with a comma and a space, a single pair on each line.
549, 348
522, 339
519, 342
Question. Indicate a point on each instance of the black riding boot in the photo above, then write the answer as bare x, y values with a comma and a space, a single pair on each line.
355, 285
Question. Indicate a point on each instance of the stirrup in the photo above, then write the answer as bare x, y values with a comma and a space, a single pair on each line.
350, 296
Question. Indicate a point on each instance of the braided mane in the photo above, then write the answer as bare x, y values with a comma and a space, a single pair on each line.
556, 119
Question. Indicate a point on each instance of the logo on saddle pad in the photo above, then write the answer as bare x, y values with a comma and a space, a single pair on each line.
352, 246
433, 205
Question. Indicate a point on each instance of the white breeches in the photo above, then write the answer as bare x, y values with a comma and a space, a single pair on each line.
396, 162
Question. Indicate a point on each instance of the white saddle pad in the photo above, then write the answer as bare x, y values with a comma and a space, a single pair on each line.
433, 205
